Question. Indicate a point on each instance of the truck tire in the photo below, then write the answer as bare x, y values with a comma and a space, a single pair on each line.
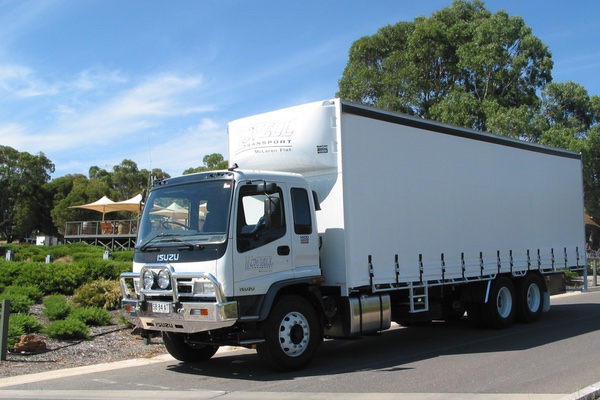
499, 311
292, 334
530, 298
180, 350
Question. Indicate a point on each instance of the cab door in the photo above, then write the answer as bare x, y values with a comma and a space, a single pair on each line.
262, 253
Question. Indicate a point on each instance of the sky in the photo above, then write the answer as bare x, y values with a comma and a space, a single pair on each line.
95, 82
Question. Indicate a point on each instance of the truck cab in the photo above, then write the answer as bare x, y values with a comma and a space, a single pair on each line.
214, 249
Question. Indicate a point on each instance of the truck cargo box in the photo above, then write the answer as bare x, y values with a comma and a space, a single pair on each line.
410, 202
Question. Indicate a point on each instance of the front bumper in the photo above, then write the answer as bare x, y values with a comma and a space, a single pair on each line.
162, 310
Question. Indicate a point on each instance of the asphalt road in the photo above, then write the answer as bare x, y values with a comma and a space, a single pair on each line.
549, 359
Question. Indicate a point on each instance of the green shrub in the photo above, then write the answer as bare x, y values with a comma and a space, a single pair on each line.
92, 316
64, 278
19, 303
70, 328
10, 270
570, 276
14, 333
41, 258
100, 293
27, 323
97, 268
124, 256
53, 278
57, 307
123, 321
81, 256
21, 324
31, 291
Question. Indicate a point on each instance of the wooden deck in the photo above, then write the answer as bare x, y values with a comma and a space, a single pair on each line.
114, 235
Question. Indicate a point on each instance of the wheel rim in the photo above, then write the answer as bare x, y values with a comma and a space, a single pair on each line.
504, 302
294, 334
534, 298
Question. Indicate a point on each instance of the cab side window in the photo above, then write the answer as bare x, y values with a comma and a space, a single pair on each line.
302, 215
251, 230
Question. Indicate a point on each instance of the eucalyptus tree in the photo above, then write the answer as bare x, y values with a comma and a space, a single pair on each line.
462, 65
22, 196
211, 162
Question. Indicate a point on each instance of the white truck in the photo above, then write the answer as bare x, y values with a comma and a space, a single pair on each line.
336, 219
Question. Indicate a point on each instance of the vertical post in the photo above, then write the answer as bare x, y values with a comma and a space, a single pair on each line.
585, 278
4, 329
595, 264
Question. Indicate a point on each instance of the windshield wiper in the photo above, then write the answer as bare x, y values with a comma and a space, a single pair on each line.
156, 239
172, 238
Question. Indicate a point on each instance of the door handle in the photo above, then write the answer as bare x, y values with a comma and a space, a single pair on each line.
283, 250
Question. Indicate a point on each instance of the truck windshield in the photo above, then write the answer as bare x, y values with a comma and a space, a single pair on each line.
192, 214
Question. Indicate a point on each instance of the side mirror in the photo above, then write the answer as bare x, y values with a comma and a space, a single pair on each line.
273, 213
266, 187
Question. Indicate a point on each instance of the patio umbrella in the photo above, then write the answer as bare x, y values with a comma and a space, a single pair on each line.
132, 204
102, 205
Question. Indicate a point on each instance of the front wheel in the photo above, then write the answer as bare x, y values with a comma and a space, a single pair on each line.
292, 334
177, 347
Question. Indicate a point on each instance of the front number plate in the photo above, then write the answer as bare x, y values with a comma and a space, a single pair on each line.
163, 308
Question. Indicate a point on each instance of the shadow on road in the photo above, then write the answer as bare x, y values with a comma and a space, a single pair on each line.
396, 349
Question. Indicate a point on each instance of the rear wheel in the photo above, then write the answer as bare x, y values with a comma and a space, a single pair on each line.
530, 298
177, 347
499, 311
292, 334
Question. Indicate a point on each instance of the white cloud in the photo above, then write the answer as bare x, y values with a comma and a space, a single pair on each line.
98, 78
123, 114
179, 151
14, 135
21, 81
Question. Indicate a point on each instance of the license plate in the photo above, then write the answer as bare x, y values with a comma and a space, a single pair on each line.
163, 308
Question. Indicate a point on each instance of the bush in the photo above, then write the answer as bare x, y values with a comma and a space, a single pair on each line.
570, 276
57, 307
124, 256
27, 323
64, 278
21, 324
101, 293
19, 303
97, 268
92, 316
52, 278
31, 291
70, 328
10, 270
14, 333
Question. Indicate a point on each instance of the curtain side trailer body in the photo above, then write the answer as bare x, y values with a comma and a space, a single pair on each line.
341, 219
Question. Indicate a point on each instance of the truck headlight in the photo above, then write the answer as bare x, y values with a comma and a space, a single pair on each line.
164, 279
148, 278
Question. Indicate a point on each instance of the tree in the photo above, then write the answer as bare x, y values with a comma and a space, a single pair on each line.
125, 180
75, 190
211, 162
22, 177
463, 65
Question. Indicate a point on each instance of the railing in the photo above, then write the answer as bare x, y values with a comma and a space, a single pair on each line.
112, 234
93, 228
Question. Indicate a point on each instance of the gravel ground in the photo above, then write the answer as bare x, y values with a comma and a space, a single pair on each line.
106, 344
